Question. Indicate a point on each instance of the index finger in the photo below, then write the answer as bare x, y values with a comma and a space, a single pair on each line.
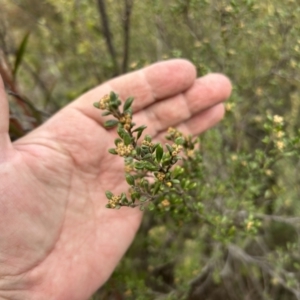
158, 81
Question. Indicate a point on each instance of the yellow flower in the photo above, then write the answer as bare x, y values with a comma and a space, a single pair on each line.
279, 134
278, 119
280, 145
165, 203
269, 172
249, 225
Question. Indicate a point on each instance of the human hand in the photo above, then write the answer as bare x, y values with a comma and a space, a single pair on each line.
58, 241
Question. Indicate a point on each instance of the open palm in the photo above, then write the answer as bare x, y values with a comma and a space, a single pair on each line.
58, 241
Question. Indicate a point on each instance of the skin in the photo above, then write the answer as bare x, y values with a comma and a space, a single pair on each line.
58, 241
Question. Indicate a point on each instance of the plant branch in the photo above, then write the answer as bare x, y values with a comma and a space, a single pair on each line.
126, 28
108, 35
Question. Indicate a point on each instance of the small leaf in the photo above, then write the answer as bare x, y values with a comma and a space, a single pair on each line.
159, 153
20, 54
111, 123
155, 146
179, 141
140, 128
145, 148
148, 138
177, 171
112, 151
166, 162
109, 195
156, 188
138, 151
143, 199
139, 165
139, 134
148, 155
96, 104
128, 103
130, 179
117, 141
113, 96
128, 111
151, 206
124, 199
113, 106
121, 131
127, 139
139, 131
169, 148
175, 181
145, 184
135, 196
106, 113
149, 166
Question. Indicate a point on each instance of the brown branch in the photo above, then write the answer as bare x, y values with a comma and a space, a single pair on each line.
107, 34
126, 27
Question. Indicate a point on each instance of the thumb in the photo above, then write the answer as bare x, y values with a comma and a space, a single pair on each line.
4, 119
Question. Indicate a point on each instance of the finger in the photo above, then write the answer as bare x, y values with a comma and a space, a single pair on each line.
4, 119
158, 81
206, 92
200, 122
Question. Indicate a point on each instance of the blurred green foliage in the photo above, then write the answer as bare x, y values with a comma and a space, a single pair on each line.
248, 167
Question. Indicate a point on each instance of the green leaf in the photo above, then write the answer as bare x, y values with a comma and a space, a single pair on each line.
138, 151
128, 103
140, 128
112, 151
20, 54
159, 153
175, 181
148, 138
128, 111
179, 141
106, 113
170, 149
124, 199
96, 104
166, 162
143, 199
139, 165
135, 196
177, 171
111, 123
155, 146
145, 184
113, 96
150, 167
145, 148
113, 106
127, 139
146, 156
156, 188
109, 195
117, 141
130, 179
139, 134
139, 131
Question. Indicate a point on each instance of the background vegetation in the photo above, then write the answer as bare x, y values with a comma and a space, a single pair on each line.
53, 50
